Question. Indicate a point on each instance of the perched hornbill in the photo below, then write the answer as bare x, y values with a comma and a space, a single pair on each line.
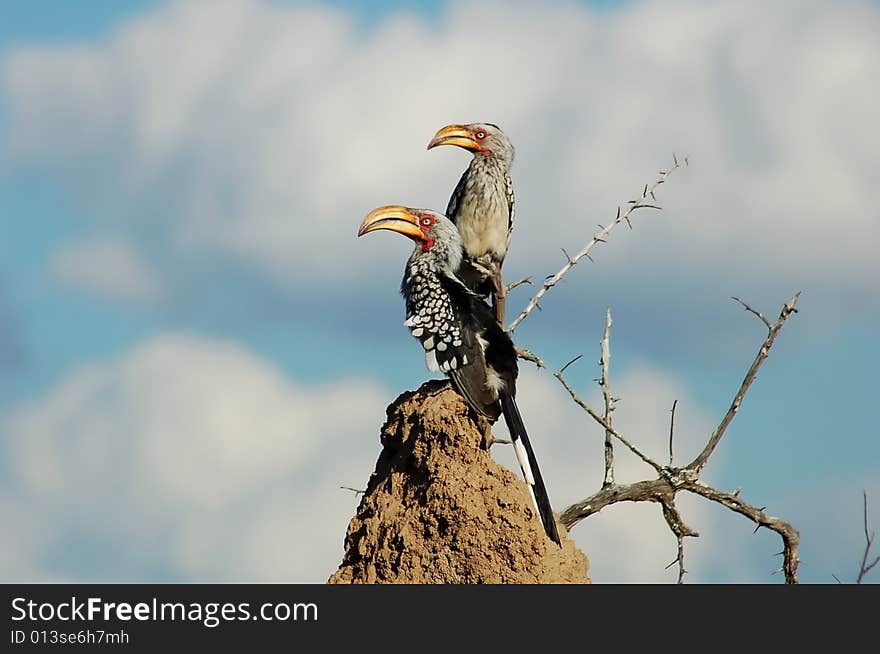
482, 205
459, 332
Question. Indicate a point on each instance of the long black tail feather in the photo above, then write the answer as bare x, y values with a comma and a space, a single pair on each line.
529, 464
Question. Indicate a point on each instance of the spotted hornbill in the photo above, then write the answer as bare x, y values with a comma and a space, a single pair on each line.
482, 206
459, 332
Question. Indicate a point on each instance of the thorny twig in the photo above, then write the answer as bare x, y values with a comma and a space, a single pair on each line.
601, 237
865, 568
679, 529
605, 362
751, 310
787, 309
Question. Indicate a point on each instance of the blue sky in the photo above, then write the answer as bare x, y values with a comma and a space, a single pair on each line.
176, 177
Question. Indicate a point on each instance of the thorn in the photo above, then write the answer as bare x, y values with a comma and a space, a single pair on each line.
686, 162
645, 191
589, 257
671, 564
354, 490
569, 363
628, 222
757, 528
737, 491
836, 578
599, 239
674, 159
618, 213
566, 256
653, 197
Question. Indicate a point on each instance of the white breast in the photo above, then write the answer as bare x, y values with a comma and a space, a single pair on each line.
483, 220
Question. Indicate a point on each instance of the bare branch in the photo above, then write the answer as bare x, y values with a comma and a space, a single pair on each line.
697, 464
866, 567
660, 490
671, 480
757, 313
679, 529
605, 345
600, 237
643, 491
789, 535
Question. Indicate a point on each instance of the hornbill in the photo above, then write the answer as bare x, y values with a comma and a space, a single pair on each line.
459, 332
482, 205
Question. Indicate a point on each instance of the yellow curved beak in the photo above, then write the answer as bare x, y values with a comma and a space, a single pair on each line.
395, 217
455, 135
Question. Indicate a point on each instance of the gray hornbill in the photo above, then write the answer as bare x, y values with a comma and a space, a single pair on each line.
482, 205
459, 332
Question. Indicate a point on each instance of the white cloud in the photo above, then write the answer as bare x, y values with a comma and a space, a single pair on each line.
110, 268
270, 129
191, 457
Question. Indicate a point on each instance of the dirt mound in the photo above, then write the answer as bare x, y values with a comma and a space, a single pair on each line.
439, 509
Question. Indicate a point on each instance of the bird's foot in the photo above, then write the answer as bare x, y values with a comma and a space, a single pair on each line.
489, 439
485, 265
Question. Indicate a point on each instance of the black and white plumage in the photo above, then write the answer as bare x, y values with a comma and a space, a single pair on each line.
482, 203
459, 333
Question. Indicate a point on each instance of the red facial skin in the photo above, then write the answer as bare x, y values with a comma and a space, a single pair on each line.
479, 136
426, 222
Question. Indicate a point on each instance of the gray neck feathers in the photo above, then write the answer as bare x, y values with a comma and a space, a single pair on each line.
444, 257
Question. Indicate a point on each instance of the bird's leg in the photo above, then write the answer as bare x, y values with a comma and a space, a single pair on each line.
499, 302
488, 437
492, 269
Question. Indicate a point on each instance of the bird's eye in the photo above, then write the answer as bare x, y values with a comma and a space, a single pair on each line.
480, 135
426, 221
